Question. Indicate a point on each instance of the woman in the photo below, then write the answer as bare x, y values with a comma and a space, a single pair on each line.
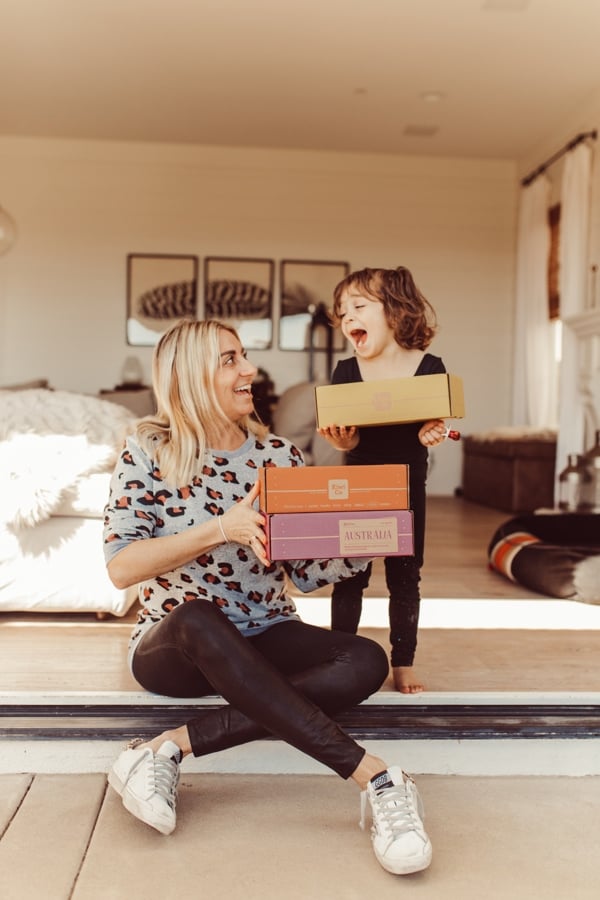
182, 522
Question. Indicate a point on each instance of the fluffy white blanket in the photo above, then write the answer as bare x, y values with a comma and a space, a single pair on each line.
48, 440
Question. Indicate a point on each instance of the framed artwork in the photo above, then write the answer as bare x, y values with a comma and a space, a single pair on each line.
161, 290
306, 295
240, 291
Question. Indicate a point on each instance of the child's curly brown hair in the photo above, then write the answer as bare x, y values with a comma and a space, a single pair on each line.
408, 313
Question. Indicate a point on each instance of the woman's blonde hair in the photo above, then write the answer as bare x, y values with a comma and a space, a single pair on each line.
184, 365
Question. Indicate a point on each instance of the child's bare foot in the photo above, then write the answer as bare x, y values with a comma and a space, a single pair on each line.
405, 680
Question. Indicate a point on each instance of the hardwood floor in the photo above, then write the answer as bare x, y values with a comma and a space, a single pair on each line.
478, 643
458, 534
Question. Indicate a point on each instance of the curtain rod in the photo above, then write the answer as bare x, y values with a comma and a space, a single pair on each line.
570, 146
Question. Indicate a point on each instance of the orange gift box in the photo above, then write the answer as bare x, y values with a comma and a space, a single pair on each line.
307, 489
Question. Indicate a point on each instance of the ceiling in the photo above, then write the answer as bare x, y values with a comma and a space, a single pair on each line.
349, 75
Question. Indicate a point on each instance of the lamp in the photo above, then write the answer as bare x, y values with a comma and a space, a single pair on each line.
8, 231
132, 375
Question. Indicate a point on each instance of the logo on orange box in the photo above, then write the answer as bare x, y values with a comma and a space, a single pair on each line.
337, 489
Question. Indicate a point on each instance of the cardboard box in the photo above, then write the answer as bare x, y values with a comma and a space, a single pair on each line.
329, 535
314, 488
390, 401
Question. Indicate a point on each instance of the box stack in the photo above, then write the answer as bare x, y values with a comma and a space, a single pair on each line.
324, 512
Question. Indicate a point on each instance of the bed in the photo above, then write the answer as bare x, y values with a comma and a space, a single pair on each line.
57, 451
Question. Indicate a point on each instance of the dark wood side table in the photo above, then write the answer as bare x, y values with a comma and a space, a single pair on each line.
138, 398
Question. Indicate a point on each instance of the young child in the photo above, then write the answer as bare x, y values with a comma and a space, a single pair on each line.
390, 324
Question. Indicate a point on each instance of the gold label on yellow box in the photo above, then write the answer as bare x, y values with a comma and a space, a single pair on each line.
382, 401
337, 489
366, 536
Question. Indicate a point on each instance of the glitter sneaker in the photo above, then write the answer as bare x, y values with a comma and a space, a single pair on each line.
147, 783
399, 839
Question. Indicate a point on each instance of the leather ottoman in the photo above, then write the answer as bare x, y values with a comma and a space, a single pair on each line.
511, 472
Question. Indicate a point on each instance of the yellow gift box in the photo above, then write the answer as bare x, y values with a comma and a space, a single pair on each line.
390, 401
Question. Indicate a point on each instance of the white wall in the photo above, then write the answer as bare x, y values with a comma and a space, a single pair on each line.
81, 207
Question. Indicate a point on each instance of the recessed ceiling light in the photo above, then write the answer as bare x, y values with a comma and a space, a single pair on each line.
421, 130
513, 5
432, 96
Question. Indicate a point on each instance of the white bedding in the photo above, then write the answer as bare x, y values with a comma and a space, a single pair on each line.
50, 441
57, 452
87, 497
58, 566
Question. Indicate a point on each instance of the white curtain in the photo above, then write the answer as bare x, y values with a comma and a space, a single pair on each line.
534, 381
574, 230
573, 272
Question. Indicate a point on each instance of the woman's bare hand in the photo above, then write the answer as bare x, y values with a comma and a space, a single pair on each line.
243, 524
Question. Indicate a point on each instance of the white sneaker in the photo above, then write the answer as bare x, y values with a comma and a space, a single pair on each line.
399, 839
147, 783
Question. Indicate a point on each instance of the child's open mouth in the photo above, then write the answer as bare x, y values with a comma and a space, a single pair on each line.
359, 336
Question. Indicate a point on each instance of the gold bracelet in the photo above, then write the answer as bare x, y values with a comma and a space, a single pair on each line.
225, 538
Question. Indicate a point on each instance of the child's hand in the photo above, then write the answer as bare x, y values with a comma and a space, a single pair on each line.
341, 437
432, 433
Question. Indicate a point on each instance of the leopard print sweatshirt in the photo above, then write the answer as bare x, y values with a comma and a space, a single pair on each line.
141, 505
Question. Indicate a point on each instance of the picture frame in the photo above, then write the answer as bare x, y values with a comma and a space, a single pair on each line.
306, 295
161, 290
239, 291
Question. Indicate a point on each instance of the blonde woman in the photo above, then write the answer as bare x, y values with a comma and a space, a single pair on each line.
182, 521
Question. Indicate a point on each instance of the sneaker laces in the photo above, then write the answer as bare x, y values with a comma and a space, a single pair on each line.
394, 809
164, 774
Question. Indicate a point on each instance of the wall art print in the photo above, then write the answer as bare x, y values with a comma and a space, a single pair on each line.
240, 291
161, 290
306, 294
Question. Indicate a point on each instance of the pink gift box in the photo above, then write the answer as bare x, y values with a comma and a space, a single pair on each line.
329, 535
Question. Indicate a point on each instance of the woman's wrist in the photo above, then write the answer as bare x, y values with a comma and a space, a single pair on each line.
222, 529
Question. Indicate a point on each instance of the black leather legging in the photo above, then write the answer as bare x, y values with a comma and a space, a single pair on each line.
285, 682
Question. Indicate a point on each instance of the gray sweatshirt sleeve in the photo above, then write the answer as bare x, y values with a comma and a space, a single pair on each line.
310, 574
